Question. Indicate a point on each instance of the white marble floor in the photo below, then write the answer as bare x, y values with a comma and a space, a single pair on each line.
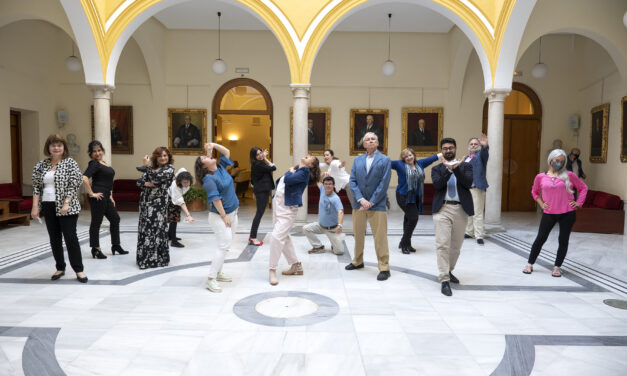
131, 322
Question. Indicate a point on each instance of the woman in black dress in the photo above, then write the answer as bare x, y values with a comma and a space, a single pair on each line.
101, 200
152, 237
261, 178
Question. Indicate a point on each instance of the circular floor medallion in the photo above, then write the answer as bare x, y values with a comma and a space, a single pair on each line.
616, 303
286, 308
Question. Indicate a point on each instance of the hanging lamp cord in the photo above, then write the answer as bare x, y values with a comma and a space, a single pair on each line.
219, 28
540, 51
389, 28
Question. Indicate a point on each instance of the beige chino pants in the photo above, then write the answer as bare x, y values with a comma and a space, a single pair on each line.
449, 224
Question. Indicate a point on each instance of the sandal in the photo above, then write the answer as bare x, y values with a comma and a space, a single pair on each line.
557, 272
528, 269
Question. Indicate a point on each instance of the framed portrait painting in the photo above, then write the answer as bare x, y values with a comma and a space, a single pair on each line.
599, 119
623, 135
365, 121
121, 118
422, 130
187, 131
318, 130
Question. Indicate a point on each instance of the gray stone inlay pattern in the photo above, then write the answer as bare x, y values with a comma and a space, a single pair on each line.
246, 255
245, 309
38, 357
616, 303
520, 353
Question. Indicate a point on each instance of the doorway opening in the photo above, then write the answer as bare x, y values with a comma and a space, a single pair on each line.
242, 118
16, 147
522, 130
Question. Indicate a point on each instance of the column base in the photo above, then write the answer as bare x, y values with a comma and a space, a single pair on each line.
493, 228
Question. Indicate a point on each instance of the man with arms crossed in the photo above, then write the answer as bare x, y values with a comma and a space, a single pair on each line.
452, 204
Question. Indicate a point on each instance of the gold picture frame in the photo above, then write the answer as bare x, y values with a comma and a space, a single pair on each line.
359, 124
178, 136
320, 118
623, 146
121, 118
424, 142
599, 122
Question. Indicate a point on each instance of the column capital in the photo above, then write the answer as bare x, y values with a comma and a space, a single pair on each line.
101, 91
496, 94
300, 90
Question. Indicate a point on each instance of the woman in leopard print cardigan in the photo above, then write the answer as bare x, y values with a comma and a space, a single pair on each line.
56, 181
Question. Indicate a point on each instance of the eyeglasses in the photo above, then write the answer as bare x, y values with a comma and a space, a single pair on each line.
448, 148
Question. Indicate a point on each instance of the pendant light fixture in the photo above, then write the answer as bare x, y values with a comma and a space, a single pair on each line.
539, 70
219, 66
388, 67
72, 63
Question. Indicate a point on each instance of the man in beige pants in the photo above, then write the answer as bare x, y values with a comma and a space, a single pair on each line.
452, 204
369, 181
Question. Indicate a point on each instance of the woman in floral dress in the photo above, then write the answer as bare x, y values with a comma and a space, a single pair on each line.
152, 233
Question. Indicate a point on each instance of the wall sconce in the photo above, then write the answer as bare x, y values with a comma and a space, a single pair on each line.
233, 138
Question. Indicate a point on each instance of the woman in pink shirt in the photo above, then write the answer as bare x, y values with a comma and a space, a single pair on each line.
554, 192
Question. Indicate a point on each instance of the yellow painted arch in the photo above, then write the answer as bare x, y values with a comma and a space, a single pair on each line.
298, 21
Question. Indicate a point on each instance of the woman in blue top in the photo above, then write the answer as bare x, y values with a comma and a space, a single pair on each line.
287, 198
409, 192
218, 184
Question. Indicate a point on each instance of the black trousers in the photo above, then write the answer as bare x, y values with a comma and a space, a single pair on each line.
262, 203
59, 228
99, 209
566, 221
172, 230
410, 220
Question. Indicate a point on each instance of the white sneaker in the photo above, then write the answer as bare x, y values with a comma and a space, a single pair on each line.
213, 285
223, 277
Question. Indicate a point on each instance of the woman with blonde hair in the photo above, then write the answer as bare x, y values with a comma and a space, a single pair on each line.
410, 192
553, 191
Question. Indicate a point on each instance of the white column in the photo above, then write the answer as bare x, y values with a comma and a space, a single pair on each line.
102, 118
496, 107
300, 104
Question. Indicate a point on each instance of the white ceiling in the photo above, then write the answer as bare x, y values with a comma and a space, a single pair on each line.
202, 15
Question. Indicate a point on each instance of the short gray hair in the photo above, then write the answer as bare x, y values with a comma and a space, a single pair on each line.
371, 133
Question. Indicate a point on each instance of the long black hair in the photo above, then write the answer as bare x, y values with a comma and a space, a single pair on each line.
253, 154
92, 145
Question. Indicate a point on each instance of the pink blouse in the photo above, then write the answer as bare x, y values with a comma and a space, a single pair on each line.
553, 192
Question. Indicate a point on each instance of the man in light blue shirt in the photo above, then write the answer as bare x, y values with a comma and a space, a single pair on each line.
330, 218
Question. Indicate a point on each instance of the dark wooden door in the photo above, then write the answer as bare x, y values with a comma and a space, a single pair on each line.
524, 136
16, 147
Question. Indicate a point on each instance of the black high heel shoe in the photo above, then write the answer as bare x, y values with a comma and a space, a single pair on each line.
118, 249
96, 253
405, 250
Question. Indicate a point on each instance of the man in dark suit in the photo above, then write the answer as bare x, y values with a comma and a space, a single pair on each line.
452, 204
370, 127
116, 135
311, 135
420, 136
573, 163
188, 135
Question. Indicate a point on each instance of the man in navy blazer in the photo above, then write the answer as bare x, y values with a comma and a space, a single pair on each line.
369, 181
478, 154
452, 204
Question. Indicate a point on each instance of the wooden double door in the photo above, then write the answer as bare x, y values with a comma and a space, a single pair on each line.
521, 153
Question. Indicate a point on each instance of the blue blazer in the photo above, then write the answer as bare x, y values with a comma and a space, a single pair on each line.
401, 188
479, 163
372, 186
295, 184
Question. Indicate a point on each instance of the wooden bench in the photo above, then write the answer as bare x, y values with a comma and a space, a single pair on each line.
6, 217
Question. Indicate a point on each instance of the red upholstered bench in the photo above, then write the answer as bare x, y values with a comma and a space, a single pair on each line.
126, 194
13, 192
601, 213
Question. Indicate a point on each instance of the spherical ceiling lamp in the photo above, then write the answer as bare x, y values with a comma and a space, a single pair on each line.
540, 69
72, 63
388, 68
219, 66
625, 19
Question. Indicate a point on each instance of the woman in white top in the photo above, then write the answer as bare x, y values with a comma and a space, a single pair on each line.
337, 172
182, 181
56, 181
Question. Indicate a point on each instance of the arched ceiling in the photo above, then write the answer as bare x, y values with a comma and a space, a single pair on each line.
300, 26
